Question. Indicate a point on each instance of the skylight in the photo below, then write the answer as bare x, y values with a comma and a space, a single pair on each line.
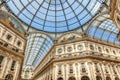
54, 15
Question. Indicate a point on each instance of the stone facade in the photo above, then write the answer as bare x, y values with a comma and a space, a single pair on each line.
82, 58
12, 47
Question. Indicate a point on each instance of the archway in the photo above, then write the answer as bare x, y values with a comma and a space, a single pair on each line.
98, 78
108, 78
9, 77
116, 78
85, 78
60, 78
71, 78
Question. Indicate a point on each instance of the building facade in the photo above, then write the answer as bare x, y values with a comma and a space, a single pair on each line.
12, 46
80, 58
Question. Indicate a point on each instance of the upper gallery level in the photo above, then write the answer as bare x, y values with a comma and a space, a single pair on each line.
76, 46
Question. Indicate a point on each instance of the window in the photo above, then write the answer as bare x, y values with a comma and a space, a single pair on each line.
99, 49
108, 78
106, 69
8, 37
13, 65
114, 52
71, 78
107, 50
85, 78
70, 68
114, 69
59, 50
98, 78
0, 30
9, 77
96, 67
83, 67
116, 78
19, 43
60, 78
1, 59
59, 69
91, 47
80, 47
69, 49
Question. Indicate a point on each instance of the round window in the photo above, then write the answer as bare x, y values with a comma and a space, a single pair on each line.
80, 47
69, 49
59, 50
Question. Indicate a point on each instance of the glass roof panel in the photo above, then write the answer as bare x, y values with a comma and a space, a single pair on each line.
104, 29
37, 47
54, 15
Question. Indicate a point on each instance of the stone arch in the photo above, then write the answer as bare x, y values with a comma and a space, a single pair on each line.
98, 78
108, 78
72, 78
116, 78
60, 78
9, 77
85, 78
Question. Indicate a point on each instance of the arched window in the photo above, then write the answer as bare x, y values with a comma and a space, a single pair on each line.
8, 37
13, 65
108, 78
98, 78
99, 49
60, 78
9, 77
85, 78
107, 50
91, 47
116, 78
1, 59
19, 43
71, 78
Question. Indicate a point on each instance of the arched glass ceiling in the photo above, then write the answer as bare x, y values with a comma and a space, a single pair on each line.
104, 29
37, 47
54, 15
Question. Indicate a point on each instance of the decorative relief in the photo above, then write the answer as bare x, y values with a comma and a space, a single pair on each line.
69, 49
80, 47
59, 50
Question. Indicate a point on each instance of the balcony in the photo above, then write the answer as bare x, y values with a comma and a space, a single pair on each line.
90, 54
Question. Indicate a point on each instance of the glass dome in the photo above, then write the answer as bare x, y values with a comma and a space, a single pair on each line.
54, 15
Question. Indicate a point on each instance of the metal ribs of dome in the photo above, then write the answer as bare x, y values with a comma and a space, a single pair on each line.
54, 15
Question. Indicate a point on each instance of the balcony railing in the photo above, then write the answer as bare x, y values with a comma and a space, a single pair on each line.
90, 54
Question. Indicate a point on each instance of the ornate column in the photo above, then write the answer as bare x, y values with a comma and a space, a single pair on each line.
103, 70
16, 71
89, 70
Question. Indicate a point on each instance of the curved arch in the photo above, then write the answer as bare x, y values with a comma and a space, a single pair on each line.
39, 44
69, 36
108, 78
72, 78
85, 78
116, 78
60, 78
104, 29
98, 78
9, 77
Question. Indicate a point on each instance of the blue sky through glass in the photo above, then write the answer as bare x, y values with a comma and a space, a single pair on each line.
54, 15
